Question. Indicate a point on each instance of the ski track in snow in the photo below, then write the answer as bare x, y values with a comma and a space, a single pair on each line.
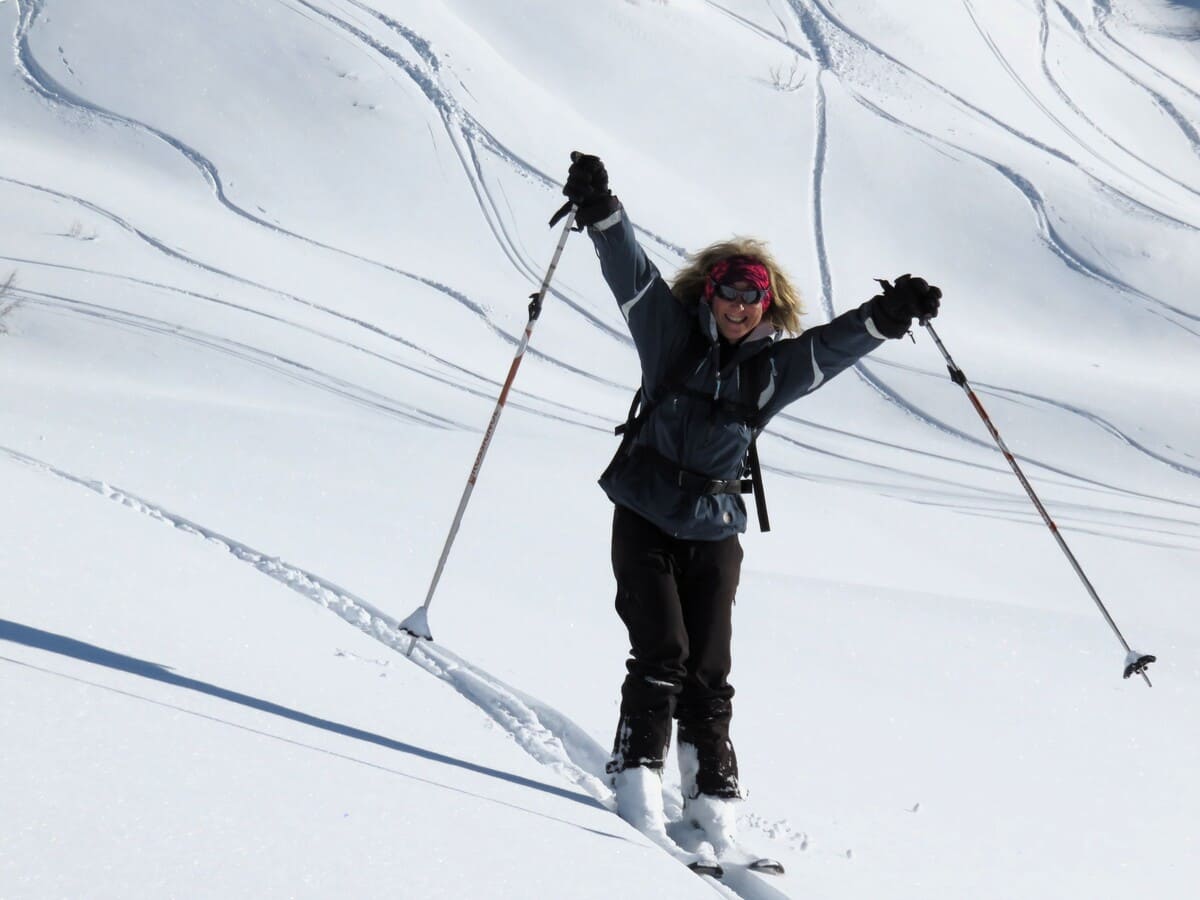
816, 19
1014, 506
782, 40
466, 134
1069, 102
158, 245
811, 25
51, 90
296, 370
566, 749
1159, 99
173, 253
283, 366
1100, 421
1046, 231
543, 732
920, 415
1103, 10
1074, 260
816, 188
971, 464
1018, 80
958, 492
1086, 145
451, 112
1101, 13
822, 55
425, 50
464, 127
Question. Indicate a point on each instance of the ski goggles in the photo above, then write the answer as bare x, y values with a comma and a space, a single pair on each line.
748, 296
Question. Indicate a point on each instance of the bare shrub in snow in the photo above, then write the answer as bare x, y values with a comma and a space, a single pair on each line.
76, 232
7, 302
787, 78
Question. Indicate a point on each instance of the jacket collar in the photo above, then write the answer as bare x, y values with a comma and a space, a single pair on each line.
762, 336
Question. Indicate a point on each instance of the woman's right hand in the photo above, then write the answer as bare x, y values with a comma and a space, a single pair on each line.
587, 190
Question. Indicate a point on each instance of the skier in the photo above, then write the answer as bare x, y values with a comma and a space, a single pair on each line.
716, 367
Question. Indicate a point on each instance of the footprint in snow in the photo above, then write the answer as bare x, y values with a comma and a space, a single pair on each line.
346, 654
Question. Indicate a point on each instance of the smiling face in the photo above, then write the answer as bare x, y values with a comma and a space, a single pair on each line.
736, 319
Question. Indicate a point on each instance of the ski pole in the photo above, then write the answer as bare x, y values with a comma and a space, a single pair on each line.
417, 624
1135, 662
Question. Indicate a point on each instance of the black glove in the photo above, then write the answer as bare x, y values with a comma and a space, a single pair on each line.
587, 189
909, 298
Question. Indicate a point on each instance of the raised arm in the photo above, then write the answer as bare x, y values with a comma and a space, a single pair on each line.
801, 365
658, 322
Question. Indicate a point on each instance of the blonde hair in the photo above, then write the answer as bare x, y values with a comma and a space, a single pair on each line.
786, 306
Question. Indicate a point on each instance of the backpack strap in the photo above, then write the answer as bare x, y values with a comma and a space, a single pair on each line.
630, 419
760, 495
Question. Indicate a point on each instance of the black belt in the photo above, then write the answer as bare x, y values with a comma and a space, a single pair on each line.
694, 482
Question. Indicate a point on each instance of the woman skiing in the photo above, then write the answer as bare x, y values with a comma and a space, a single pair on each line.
716, 367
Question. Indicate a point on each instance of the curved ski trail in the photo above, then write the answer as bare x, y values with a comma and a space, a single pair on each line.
45, 85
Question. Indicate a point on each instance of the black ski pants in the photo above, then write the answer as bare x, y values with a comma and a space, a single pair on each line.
676, 598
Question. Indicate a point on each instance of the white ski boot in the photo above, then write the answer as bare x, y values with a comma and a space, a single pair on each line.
716, 818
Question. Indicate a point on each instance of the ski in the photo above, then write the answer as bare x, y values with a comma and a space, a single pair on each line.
706, 867
734, 855
766, 866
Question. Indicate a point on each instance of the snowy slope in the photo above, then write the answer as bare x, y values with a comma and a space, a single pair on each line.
270, 262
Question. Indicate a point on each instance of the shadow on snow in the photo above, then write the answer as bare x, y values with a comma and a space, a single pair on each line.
65, 646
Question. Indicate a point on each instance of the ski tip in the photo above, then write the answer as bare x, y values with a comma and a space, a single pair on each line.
706, 868
766, 866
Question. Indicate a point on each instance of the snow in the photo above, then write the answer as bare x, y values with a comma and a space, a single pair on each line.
271, 261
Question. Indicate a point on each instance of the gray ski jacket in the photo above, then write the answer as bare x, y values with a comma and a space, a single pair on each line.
702, 414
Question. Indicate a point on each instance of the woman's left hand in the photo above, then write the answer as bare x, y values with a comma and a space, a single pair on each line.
906, 299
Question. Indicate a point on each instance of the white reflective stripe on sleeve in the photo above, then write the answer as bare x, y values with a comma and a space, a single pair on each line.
627, 307
873, 331
769, 390
818, 375
609, 222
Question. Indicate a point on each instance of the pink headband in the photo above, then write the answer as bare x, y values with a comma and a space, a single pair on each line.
739, 268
